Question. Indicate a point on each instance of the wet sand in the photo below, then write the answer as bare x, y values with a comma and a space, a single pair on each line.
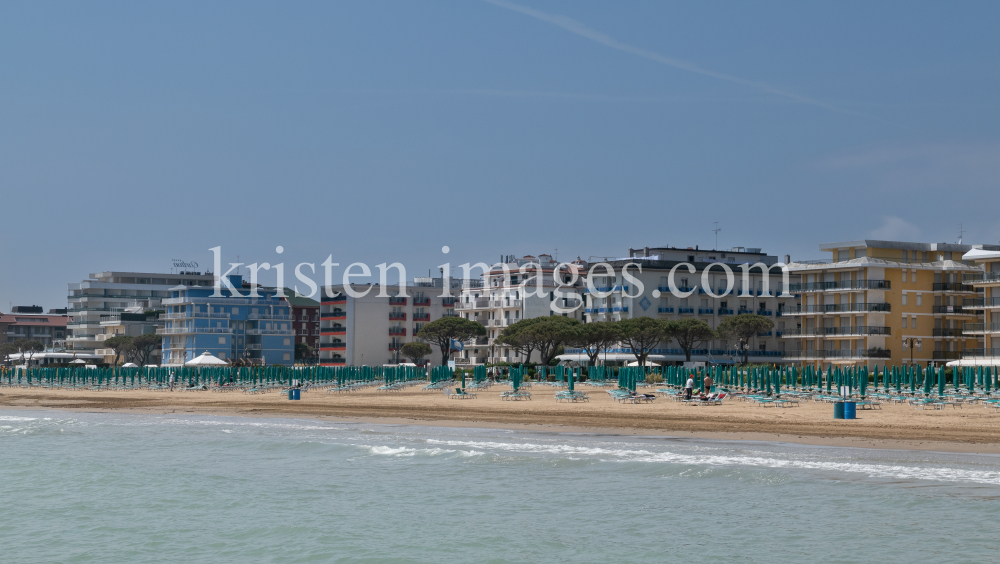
967, 429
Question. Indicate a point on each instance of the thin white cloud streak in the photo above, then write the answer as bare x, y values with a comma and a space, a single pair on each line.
895, 229
574, 26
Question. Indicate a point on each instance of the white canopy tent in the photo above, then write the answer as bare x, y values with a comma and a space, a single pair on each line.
206, 359
130, 365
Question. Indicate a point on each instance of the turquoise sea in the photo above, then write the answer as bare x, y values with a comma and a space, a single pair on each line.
97, 487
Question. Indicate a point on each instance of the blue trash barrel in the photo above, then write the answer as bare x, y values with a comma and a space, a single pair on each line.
850, 410
838, 410
294, 394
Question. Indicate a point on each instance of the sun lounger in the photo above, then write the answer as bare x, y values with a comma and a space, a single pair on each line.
460, 394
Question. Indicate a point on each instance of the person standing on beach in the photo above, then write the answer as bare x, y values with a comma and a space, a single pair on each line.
708, 383
688, 387
171, 381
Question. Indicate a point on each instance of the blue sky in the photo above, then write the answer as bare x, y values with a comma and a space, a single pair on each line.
133, 133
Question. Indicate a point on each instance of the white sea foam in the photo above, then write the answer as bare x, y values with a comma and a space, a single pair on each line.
870, 469
16, 418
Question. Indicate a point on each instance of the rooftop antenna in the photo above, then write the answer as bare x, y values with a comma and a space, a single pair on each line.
716, 230
961, 232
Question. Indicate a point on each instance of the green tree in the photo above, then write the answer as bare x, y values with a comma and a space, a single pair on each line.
691, 334
143, 346
517, 337
120, 344
641, 334
6, 350
442, 331
28, 348
415, 351
595, 337
742, 328
549, 334
304, 352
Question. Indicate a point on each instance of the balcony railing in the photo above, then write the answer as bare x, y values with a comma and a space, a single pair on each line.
838, 308
480, 303
196, 314
952, 309
224, 301
980, 303
851, 353
665, 310
946, 355
421, 301
952, 287
948, 332
270, 332
333, 315
725, 311
397, 331
981, 353
397, 315
268, 316
859, 330
183, 330
685, 310
979, 328
844, 285
397, 301
706, 311
421, 317
981, 278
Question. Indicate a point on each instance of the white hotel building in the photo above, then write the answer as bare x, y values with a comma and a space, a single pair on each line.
105, 293
502, 298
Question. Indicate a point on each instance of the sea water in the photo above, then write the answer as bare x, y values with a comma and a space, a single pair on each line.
97, 487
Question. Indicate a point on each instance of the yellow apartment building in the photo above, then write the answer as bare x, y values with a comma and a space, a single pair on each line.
882, 302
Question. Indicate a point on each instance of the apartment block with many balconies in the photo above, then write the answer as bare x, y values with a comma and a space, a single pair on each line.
985, 330
114, 292
508, 293
617, 299
372, 325
881, 302
232, 326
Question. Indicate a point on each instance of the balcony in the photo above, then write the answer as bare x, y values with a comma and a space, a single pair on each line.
224, 301
253, 347
421, 301
397, 301
665, 310
395, 346
978, 329
268, 316
479, 303
835, 286
952, 310
980, 303
270, 332
685, 310
949, 332
837, 308
338, 299
946, 355
184, 330
401, 331
724, 311
981, 278
981, 353
333, 315
196, 314
421, 317
857, 331
449, 302
333, 330
397, 315
706, 311
835, 354
765, 312
952, 287
333, 347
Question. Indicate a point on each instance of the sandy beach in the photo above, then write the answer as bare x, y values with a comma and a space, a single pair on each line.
966, 429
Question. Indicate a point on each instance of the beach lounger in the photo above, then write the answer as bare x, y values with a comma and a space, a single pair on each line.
459, 394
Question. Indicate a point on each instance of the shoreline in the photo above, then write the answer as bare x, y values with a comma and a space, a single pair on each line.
411, 408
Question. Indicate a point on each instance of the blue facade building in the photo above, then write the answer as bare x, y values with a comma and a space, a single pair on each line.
230, 327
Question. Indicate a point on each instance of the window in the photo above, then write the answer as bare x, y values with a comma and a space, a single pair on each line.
222, 355
287, 356
904, 276
919, 299
904, 322
236, 311
288, 342
222, 340
913, 322
904, 298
